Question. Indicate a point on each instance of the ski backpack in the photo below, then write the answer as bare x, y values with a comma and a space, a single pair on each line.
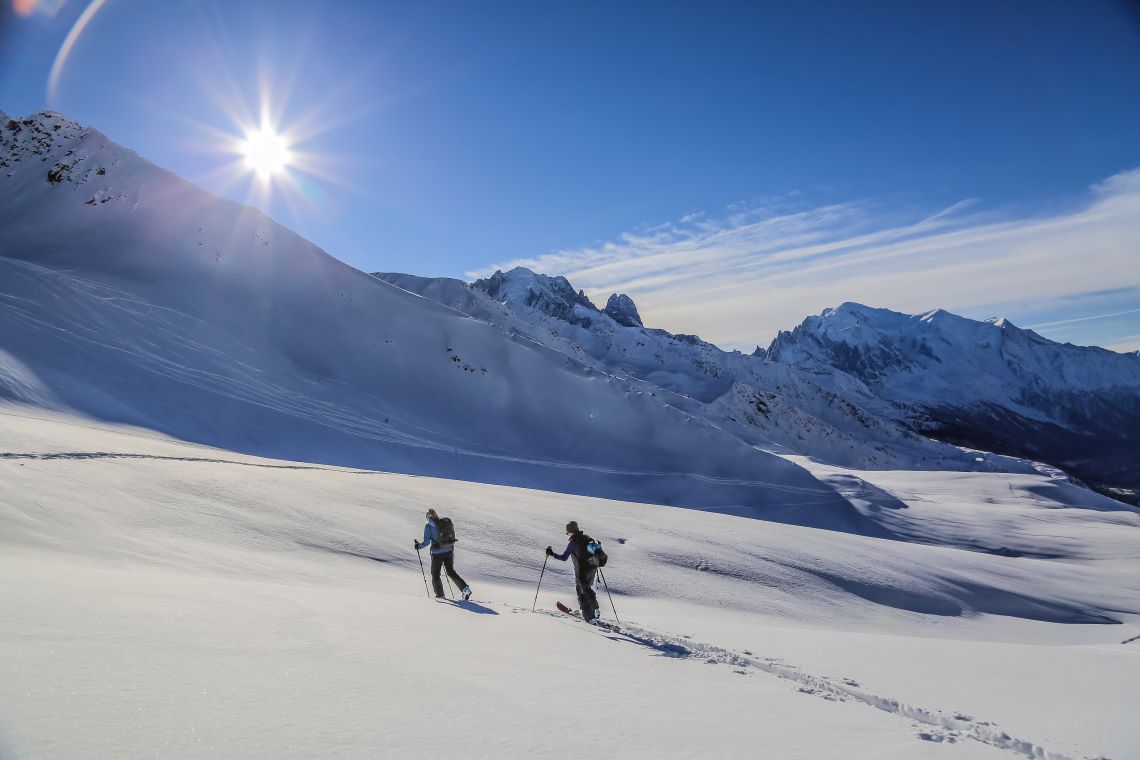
595, 554
444, 531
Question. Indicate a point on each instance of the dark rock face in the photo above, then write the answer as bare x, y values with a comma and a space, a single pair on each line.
1105, 458
621, 309
868, 363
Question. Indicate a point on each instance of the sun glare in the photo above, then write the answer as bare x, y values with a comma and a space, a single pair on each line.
266, 152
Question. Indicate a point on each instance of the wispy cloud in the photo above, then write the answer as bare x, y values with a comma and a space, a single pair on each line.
737, 280
1127, 343
1084, 319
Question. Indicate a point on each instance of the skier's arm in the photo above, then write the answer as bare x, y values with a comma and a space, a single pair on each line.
566, 554
429, 535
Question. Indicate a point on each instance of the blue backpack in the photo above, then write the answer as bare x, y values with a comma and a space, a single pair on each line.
595, 554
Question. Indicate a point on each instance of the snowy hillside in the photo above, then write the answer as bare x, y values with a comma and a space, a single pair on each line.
165, 599
856, 386
990, 385
131, 295
766, 404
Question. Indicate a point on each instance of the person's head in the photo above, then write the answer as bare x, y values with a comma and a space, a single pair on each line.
431, 515
571, 527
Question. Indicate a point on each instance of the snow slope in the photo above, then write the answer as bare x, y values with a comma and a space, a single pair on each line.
855, 386
166, 599
771, 405
131, 295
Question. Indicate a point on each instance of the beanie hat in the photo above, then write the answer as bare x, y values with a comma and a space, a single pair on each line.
431, 515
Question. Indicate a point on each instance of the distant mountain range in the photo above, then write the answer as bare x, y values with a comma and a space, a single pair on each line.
855, 385
131, 295
989, 385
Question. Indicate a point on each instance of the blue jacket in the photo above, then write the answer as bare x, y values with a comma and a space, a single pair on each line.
431, 533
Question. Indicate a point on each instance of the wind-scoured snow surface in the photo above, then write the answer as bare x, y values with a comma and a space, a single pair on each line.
131, 295
165, 599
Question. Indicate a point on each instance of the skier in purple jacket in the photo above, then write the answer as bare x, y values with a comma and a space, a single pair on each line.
584, 571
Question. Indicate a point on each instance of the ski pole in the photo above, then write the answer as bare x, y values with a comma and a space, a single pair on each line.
449, 588
539, 583
611, 596
423, 573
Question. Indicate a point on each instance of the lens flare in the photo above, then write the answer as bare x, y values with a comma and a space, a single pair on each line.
266, 152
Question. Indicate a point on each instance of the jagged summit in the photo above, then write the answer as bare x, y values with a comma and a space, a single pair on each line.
42, 117
37, 137
621, 309
551, 295
556, 297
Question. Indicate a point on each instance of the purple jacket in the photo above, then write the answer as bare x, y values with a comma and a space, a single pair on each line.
569, 552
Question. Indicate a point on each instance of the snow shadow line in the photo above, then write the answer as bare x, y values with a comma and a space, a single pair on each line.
467, 604
80, 455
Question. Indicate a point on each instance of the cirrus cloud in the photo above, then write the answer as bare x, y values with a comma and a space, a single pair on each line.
739, 279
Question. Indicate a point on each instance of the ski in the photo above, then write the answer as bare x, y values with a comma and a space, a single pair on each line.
578, 616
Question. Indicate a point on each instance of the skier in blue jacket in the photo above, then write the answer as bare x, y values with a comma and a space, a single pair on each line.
442, 556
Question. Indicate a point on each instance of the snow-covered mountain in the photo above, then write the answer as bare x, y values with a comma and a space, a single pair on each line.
131, 295
856, 386
767, 404
990, 385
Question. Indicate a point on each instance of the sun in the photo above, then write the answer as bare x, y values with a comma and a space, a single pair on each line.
266, 152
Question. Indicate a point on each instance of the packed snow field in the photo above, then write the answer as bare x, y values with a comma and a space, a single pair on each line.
164, 599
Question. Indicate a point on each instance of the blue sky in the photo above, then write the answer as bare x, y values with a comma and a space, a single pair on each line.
732, 166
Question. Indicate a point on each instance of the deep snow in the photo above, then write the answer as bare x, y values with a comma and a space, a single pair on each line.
174, 600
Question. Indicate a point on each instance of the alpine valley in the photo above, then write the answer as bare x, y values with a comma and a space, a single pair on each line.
883, 536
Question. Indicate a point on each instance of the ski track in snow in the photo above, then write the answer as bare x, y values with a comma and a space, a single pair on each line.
936, 725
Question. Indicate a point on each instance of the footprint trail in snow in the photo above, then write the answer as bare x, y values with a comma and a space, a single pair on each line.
934, 725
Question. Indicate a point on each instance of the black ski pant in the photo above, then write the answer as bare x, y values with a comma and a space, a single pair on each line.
584, 585
446, 559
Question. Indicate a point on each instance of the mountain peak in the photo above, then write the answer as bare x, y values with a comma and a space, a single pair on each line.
552, 295
621, 309
36, 138
847, 307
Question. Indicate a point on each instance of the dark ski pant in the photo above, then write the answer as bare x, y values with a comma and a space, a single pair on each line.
584, 585
446, 559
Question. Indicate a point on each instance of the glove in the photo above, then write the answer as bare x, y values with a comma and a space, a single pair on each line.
549, 552
416, 544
